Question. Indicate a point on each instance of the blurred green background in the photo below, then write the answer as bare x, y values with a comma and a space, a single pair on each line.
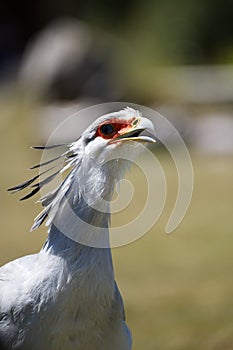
176, 57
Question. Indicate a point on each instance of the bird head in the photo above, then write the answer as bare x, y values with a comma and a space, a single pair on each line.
96, 161
107, 145
113, 136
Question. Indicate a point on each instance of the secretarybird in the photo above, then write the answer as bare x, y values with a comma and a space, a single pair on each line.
65, 297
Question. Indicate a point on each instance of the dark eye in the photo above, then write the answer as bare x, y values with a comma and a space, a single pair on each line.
107, 129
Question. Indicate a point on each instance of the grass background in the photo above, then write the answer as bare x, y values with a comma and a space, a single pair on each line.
177, 288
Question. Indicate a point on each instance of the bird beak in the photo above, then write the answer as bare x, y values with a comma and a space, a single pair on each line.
133, 134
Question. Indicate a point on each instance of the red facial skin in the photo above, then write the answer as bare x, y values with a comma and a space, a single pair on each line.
120, 127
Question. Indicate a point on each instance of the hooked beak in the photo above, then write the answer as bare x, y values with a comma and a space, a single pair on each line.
134, 133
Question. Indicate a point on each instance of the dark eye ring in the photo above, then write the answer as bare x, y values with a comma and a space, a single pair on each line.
107, 129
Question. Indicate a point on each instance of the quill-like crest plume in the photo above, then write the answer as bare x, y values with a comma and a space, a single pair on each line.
68, 161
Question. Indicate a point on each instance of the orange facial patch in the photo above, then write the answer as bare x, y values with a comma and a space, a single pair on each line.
113, 128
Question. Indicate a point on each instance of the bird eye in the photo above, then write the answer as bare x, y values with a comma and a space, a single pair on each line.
107, 129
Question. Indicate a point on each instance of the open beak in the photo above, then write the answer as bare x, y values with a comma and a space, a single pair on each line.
134, 133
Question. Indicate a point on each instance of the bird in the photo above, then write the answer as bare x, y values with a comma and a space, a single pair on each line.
65, 296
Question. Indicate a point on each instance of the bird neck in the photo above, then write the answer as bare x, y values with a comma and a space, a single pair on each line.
79, 232
78, 228
76, 255
80, 268
83, 214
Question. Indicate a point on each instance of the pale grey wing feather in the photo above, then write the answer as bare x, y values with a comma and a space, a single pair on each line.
118, 307
118, 302
14, 297
8, 271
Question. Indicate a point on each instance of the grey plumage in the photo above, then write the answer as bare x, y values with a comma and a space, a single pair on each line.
65, 297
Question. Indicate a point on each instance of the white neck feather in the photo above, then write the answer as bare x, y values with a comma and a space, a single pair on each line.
76, 223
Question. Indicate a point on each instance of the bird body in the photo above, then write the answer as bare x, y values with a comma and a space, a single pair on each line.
65, 297
50, 301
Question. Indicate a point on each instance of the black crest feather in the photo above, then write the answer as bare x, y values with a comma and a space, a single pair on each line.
47, 200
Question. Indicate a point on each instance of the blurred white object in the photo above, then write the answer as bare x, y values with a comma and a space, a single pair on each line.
197, 84
67, 60
213, 134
